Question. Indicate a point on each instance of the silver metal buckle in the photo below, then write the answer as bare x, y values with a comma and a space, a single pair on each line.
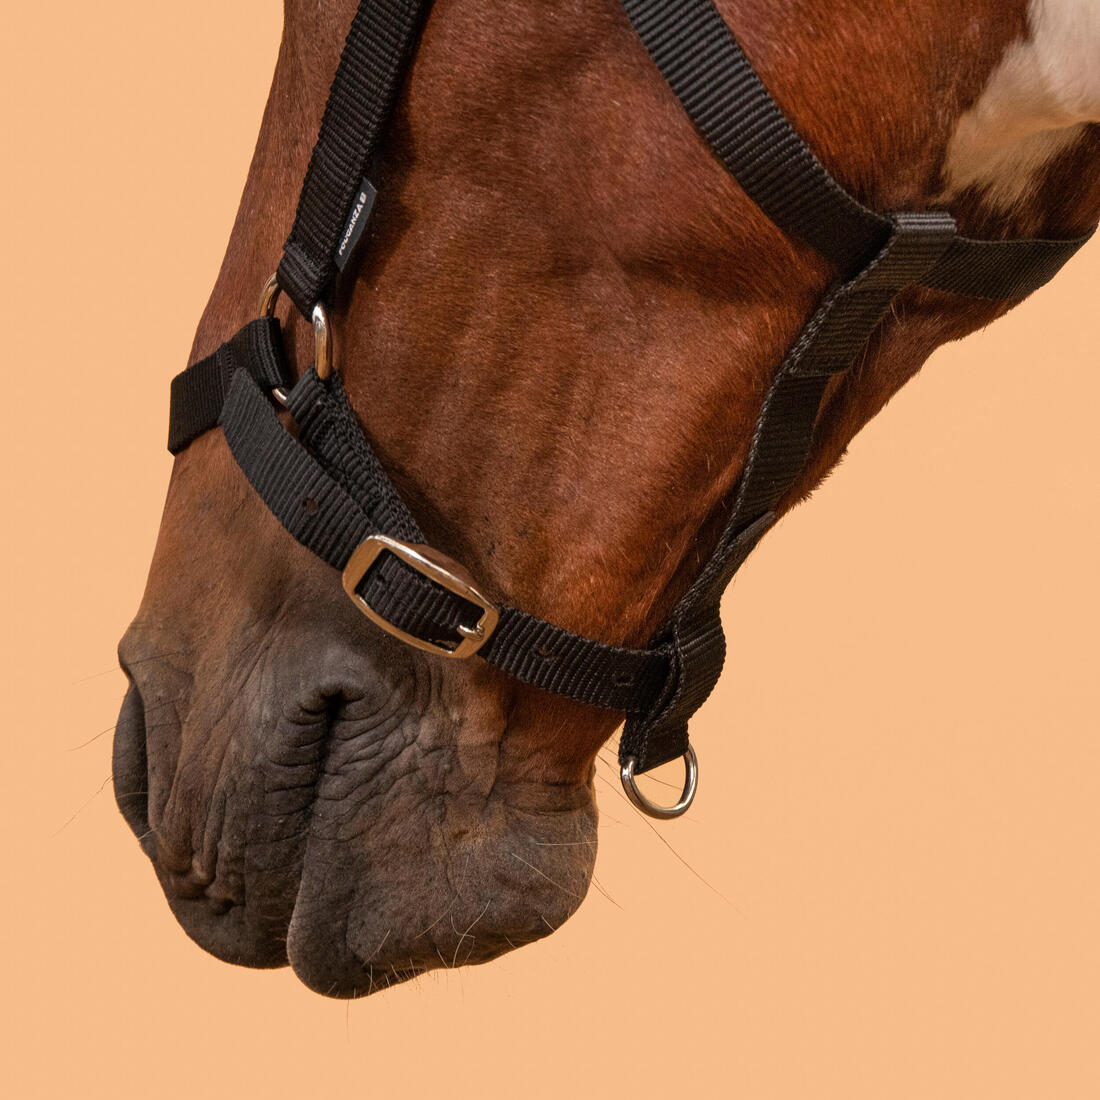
691, 785
437, 567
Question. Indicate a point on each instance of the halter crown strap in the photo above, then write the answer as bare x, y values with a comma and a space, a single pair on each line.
329, 490
376, 54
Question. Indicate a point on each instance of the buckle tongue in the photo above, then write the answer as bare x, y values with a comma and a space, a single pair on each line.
436, 567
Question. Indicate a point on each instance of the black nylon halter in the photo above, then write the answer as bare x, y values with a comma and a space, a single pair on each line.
330, 492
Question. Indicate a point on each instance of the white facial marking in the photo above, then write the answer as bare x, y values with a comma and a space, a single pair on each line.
1036, 104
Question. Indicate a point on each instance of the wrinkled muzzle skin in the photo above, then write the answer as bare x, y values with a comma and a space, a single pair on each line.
310, 791
558, 345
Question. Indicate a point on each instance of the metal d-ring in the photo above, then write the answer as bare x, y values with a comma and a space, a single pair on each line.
269, 296
322, 336
691, 784
322, 343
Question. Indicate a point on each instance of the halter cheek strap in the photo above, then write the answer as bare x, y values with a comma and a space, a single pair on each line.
328, 489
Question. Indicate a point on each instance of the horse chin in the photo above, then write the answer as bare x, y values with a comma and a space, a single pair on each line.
337, 815
411, 902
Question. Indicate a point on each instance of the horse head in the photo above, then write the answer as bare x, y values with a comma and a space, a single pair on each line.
558, 341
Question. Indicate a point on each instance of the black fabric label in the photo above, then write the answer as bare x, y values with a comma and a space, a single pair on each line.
357, 220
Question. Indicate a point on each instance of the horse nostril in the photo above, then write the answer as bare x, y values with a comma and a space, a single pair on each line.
184, 887
130, 765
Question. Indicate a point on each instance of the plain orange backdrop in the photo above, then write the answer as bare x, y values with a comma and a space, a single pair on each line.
889, 885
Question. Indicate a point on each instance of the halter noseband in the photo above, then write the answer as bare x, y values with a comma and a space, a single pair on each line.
328, 489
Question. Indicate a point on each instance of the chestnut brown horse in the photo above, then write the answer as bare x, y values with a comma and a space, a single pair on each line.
558, 343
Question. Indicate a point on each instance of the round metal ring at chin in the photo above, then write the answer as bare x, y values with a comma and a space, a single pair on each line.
691, 783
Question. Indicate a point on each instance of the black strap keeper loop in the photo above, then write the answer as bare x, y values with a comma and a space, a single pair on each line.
915, 247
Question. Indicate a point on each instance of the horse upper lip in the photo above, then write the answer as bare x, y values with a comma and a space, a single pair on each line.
257, 847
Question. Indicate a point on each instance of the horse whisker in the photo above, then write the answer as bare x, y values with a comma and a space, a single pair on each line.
568, 893
83, 807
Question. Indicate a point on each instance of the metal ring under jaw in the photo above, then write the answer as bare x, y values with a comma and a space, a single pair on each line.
437, 567
322, 335
691, 784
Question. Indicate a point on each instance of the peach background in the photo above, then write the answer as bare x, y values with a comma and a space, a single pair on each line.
898, 818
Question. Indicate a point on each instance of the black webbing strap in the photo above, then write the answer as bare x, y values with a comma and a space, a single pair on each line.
372, 64
718, 87
780, 447
1001, 269
198, 393
329, 490
332, 510
705, 66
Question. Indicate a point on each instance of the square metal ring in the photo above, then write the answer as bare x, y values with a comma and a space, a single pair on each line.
436, 567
